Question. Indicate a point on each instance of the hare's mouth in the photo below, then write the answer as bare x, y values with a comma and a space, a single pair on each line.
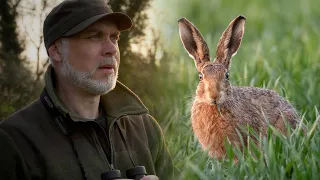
214, 102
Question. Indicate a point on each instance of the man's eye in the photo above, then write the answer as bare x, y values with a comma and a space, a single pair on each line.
114, 38
94, 36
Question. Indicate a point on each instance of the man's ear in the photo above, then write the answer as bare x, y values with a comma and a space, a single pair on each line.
54, 52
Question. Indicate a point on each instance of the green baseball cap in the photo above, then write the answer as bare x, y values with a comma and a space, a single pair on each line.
72, 16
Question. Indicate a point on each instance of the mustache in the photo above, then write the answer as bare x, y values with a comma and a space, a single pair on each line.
110, 61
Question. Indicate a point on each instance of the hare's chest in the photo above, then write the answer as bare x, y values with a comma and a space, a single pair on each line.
210, 127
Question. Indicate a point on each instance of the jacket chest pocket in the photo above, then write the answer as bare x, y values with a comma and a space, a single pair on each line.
62, 163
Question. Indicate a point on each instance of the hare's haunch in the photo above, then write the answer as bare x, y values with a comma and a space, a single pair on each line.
219, 108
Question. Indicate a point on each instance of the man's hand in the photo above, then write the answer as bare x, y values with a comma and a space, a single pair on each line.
150, 177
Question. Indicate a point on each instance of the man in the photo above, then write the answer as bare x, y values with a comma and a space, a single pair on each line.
86, 124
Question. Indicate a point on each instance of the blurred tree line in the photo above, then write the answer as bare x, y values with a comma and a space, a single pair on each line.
145, 73
16, 81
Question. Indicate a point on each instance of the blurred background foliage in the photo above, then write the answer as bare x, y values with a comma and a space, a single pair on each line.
280, 51
16, 79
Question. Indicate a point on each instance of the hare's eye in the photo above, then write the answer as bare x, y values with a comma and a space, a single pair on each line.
200, 76
227, 75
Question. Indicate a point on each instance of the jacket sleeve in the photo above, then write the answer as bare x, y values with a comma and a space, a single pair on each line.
12, 165
163, 161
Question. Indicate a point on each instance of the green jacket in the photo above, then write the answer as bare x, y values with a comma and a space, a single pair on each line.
34, 146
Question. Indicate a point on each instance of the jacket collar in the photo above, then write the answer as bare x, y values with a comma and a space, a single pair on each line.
120, 101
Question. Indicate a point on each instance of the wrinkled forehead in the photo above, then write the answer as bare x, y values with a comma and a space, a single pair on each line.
213, 67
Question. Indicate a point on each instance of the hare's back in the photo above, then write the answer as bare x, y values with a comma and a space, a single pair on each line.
254, 93
266, 100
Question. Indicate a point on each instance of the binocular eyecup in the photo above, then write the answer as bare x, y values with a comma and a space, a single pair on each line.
135, 173
114, 174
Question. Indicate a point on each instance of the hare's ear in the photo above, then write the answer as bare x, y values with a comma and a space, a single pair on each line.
193, 42
230, 41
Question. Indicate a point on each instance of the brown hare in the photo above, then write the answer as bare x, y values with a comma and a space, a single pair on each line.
219, 108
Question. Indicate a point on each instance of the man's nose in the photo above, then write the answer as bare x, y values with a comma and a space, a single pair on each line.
109, 48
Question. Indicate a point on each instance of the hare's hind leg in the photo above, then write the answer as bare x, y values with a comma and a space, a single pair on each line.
280, 125
288, 117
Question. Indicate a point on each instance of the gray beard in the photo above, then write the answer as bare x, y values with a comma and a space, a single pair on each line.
84, 80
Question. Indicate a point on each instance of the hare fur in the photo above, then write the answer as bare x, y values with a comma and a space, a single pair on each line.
219, 108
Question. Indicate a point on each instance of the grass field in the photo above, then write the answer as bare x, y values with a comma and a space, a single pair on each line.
280, 51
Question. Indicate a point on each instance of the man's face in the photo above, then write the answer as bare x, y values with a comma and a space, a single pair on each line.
90, 59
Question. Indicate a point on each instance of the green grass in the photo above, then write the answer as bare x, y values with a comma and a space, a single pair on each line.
280, 51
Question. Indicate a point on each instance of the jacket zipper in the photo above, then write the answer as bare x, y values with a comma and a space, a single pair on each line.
109, 138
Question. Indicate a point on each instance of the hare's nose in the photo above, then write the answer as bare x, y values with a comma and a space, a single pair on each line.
214, 96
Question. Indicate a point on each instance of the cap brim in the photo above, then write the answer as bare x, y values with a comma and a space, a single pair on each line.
122, 21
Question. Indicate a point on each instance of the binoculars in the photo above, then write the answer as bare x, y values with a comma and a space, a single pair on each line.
135, 173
